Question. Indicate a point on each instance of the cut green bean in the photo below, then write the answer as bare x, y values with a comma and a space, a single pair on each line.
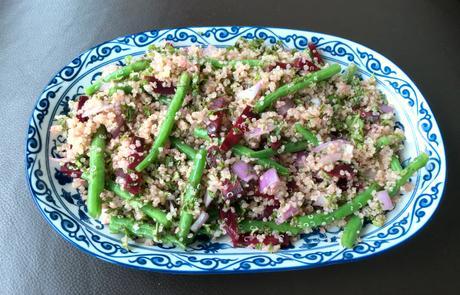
168, 123
297, 85
119, 74
126, 89
395, 165
313, 220
183, 147
416, 164
307, 134
201, 133
155, 213
96, 172
189, 198
244, 151
266, 163
390, 139
294, 147
351, 231
141, 230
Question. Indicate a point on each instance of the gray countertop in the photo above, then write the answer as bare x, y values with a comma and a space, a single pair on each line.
37, 38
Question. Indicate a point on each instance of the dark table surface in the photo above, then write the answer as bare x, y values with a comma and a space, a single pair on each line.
39, 37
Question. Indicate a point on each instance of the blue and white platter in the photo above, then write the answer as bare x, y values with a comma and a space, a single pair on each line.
63, 208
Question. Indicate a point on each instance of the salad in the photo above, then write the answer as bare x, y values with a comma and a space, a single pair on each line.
254, 141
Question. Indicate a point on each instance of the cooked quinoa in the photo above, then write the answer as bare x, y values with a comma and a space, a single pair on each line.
346, 115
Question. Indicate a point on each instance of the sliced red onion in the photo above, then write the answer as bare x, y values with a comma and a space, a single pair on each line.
386, 108
254, 133
324, 145
207, 198
300, 159
119, 121
96, 110
320, 201
283, 107
384, 198
244, 171
251, 92
289, 210
268, 180
202, 218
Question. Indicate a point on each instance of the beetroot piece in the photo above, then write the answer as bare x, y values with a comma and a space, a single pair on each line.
229, 219
275, 145
139, 144
236, 132
282, 65
315, 53
211, 156
343, 180
300, 64
268, 211
159, 88
70, 171
231, 190
80, 104
130, 182
134, 160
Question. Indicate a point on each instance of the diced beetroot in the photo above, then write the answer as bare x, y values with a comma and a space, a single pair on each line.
139, 144
134, 160
369, 116
231, 190
275, 145
80, 104
348, 174
214, 126
129, 183
70, 171
236, 132
159, 88
218, 103
315, 53
292, 186
282, 65
211, 156
300, 64
230, 224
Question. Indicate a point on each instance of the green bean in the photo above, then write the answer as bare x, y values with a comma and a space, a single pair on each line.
313, 220
244, 151
416, 164
351, 231
395, 165
189, 198
266, 163
119, 74
201, 133
293, 147
96, 172
183, 147
126, 89
390, 139
350, 73
168, 123
140, 229
307, 134
297, 85
125, 71
155, 213
232, 63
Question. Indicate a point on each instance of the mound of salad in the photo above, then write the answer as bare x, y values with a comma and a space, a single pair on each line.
255, 141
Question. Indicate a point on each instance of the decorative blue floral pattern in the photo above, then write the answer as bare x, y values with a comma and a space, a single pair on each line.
64, 209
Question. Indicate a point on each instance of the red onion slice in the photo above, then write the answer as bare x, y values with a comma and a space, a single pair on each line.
269, 179
244, 171
251, 92
386, 108
384, 198
202, 218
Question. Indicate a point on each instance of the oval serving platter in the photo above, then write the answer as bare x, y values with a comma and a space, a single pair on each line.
63, 208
